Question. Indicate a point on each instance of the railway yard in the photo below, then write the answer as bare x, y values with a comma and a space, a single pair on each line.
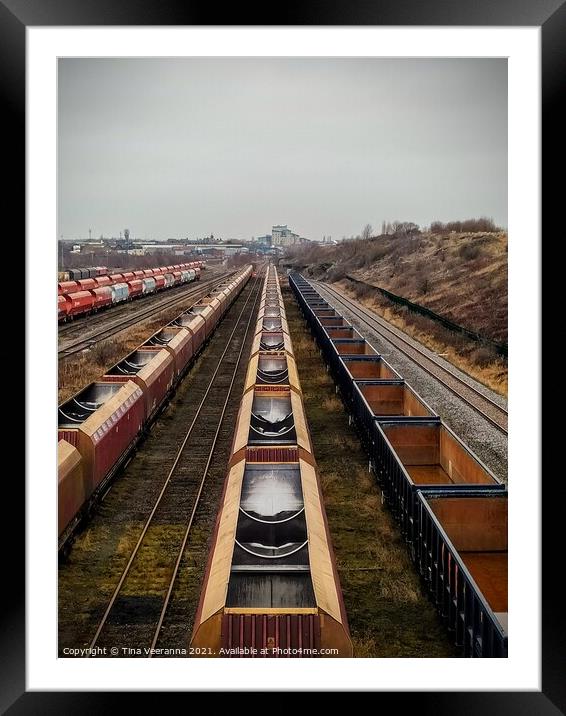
84, 332
214, 491
119, 583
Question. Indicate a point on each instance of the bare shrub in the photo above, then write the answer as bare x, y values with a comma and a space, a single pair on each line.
469, 252
367, 231
336, 273
424, 285
484, 356
363, 290
467, 226
375, 253
102, 352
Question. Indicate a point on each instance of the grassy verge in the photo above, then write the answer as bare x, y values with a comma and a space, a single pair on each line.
77, 371
480, 362
388, 613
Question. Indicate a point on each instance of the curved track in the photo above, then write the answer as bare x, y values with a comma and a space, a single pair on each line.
84, 335
183, 485
488, 408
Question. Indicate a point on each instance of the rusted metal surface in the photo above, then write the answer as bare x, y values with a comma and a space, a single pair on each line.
462, 555
272, 454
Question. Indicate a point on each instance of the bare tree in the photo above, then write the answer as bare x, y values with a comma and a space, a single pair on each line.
367, 231
484, 224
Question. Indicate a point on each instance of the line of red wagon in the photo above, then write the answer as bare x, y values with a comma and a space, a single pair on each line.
88, 295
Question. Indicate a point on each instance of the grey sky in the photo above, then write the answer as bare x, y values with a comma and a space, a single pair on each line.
185, 147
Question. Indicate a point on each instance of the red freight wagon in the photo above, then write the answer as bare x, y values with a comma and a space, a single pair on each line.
87, 284
67, 287
102, 422
62, 307
80, 302
177, 277
159, 281
148, 273
103, 281
139, 274
176, 267
102, 297
151, 368
71, 492
116, 278
170, 269
101, 270
127, 275
178, 341
197, 271
136, 287
163, 269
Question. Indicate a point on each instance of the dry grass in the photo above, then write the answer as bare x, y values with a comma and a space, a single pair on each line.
481, 363
388, 614
154, 557
331, 403
77, 371
462, 276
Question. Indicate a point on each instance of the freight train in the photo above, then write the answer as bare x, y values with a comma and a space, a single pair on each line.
89, 272
451, 509
89, 294
271, 587
100, 425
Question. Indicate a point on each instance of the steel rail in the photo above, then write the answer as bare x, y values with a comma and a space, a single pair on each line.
84, 343
201, 485
171, 472
375, 323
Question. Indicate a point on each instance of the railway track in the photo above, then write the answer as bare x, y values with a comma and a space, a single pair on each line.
488, 408
79, 323
84, 335
177, 502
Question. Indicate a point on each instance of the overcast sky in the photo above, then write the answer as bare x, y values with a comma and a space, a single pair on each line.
186, 147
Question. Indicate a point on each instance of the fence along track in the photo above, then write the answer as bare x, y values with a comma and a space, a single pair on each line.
201, 437
500, 348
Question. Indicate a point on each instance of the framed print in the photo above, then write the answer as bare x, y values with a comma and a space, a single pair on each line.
194, 518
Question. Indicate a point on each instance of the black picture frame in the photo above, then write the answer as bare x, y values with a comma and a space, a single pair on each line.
15, 16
